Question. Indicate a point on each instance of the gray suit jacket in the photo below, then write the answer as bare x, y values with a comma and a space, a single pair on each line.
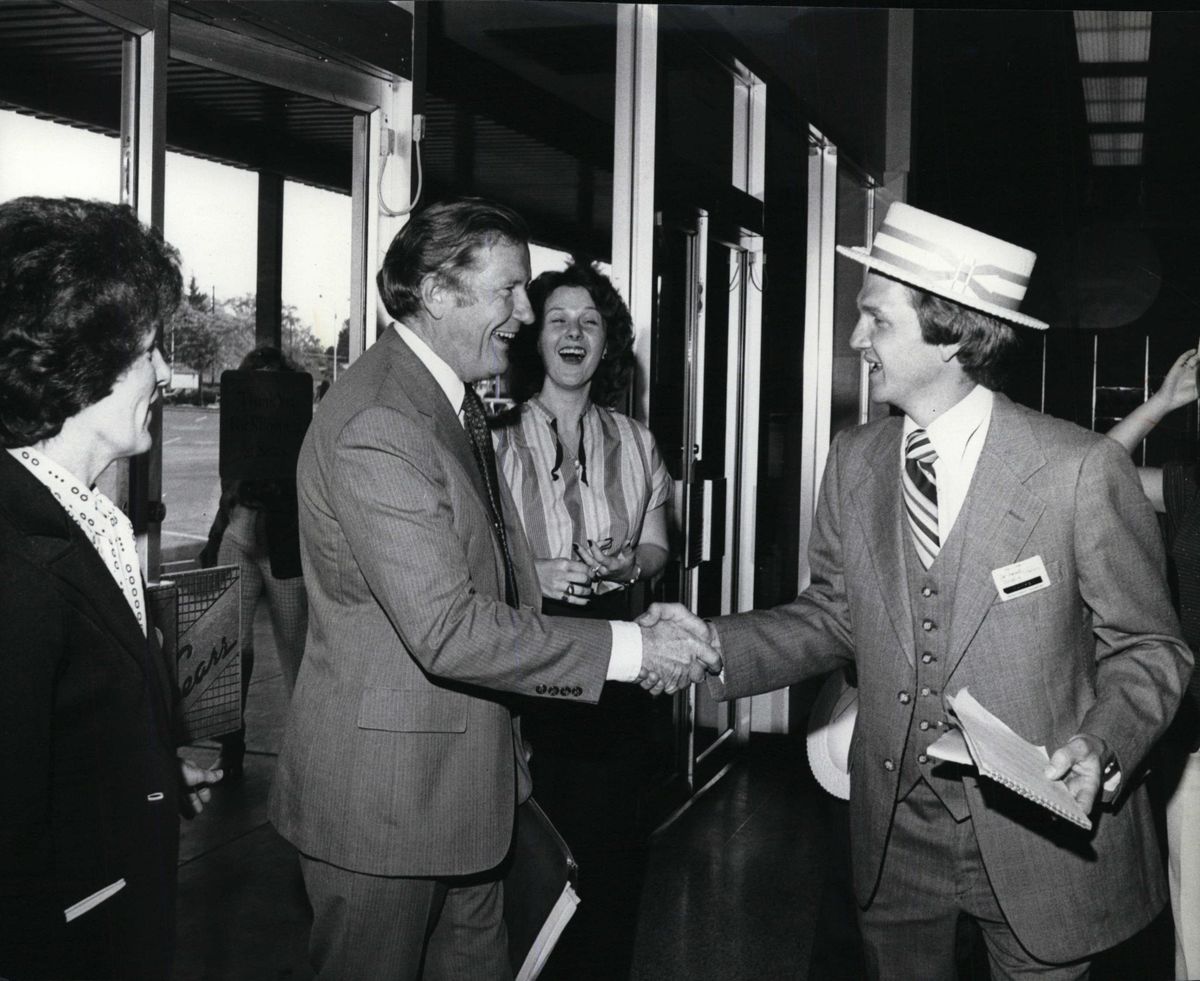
1099, 651
400, 755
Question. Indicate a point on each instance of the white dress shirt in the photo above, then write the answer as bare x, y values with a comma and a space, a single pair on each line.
958, 435
625, 660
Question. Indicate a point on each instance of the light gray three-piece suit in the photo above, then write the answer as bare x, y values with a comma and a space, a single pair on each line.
1097, 651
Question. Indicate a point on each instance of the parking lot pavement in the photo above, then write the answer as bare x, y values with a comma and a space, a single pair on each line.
191, 482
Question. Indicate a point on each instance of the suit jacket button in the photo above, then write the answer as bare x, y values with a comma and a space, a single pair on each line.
923, 726
927, 625
889, 765
922, 759
540, 690
903, 698
552, 690
926, 591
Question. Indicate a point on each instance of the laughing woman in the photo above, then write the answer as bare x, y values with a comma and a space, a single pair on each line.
592, 493
90, 786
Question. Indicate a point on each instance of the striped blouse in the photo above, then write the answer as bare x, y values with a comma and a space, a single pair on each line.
602, 496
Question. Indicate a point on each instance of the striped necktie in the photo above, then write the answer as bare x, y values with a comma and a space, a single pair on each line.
920, 495
475, 421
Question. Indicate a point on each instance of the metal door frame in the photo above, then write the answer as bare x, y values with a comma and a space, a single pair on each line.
382, 135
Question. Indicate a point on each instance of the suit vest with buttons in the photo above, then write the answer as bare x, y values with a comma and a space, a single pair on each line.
931, 598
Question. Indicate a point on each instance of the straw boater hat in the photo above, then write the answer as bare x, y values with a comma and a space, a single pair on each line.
951, 260
830, 726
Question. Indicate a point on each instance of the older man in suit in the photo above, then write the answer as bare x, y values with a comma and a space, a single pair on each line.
974, 543
402, 762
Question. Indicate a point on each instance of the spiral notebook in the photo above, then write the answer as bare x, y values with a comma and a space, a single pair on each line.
984, 741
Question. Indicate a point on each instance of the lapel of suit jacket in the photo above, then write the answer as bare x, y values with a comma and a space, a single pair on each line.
62, 547
998, 516
427, 397
875, 481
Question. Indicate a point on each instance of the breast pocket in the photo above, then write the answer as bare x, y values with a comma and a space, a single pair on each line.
401, 710
1053, 583
1035, 615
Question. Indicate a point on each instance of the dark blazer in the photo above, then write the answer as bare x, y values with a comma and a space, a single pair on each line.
401, 755
1099, 651
89, 781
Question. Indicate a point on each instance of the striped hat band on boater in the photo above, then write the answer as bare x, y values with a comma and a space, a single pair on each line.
943, 257
960, 273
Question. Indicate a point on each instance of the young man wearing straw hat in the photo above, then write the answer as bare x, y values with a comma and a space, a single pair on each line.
973, 543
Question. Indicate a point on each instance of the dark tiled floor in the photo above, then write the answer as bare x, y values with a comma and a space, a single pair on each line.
750, 884
738, 886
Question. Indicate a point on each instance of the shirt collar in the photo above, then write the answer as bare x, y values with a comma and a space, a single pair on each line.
548, 417
32, 460
951, 432
442, 373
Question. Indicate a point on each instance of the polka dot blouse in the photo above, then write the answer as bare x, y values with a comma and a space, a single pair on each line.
104, 524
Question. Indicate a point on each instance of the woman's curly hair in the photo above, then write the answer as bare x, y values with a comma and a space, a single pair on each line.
615, 370
81, 282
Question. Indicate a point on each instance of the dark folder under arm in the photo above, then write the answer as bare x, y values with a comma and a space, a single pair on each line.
539, 892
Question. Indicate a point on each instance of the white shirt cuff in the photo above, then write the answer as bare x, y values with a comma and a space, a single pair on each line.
625, 664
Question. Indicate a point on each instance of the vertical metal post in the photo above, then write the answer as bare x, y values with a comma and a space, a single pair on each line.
698, 342
143, 187
633, 178
745, 358
268, 305
818, 336
864, 383
363, 224
1145, 388
1045, 344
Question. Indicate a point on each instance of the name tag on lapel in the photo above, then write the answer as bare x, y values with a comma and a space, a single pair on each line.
1021, 578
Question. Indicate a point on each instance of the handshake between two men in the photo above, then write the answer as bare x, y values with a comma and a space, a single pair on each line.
678, 648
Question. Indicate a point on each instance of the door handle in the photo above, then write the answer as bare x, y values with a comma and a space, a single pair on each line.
705, 526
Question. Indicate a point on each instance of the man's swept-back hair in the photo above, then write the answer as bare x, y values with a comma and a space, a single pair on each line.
81, 283
987, 341
442, 240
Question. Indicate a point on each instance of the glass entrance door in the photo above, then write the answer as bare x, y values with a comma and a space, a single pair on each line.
695, 387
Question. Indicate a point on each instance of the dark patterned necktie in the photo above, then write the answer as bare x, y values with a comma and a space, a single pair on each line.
475, 423
920, 495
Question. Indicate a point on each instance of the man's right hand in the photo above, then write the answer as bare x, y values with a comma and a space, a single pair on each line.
678, 648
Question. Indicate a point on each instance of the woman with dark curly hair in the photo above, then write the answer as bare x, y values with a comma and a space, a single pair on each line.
92, 788
589, 482
592, 493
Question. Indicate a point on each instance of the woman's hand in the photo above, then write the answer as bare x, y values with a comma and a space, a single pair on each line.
565, 579
618, 567
1179, 387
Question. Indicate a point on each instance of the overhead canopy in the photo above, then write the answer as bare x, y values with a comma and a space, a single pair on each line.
61, 64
